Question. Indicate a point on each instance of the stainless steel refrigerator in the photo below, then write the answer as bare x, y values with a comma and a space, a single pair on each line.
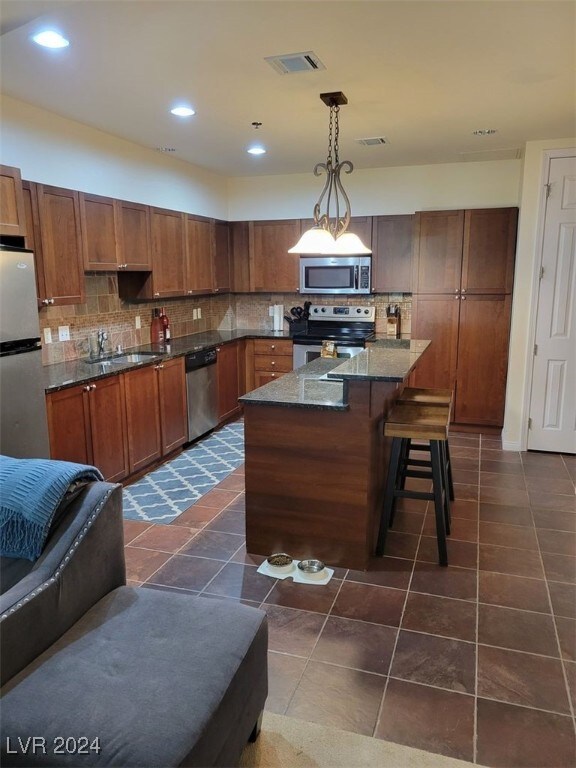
23, 423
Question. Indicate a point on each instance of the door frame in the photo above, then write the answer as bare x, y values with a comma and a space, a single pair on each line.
547, 156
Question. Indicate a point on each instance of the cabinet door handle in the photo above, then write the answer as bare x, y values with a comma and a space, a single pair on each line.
50, 301
86, 388
272, 346
45, 302
463, 298
156, 293
158, 367
272, 363
189, 291
457, 290
456, 297
92, 386
273, 375
463, 290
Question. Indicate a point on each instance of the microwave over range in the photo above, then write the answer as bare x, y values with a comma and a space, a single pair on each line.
335, 274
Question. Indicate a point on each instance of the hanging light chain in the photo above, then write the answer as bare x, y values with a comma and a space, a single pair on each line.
335, 109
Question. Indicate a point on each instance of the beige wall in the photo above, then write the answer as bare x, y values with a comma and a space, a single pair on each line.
52, 150
528, 258
381, 191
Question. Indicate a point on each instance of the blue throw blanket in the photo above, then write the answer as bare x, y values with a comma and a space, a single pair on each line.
30, 492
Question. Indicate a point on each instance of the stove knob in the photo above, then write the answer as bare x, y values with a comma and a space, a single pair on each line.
359, 309
315, 309
366, 311
323, 309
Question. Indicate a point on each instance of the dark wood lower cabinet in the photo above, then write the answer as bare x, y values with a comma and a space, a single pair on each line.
482, 367
173, 404
469, 352
87, 425
142, 417
227, 372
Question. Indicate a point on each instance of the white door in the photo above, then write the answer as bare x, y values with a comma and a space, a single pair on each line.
553, 400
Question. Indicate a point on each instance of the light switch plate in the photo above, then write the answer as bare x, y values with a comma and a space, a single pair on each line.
138, 322
194, 314
47, 336
63, 333
199, 313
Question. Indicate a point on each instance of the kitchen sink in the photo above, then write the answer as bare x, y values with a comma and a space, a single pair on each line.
133, 357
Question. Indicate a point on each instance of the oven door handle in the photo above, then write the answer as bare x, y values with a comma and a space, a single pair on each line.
356, 278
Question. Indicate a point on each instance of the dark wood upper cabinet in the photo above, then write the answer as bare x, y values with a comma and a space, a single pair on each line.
221, 259
272, 268
438, 263
199, 254
239, 257
392, 246
489, 250
57, 243
168, 253
12, 214
133, 236
99, 231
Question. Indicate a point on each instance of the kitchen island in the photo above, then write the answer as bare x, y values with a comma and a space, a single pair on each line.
316, 456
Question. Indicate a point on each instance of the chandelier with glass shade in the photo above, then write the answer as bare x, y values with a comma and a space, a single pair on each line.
330, 235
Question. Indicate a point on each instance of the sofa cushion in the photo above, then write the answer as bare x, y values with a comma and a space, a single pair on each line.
159, 678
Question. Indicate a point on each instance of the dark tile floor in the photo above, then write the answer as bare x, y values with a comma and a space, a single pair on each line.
475, 661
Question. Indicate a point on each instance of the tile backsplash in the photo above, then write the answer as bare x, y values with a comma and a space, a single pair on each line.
104, 309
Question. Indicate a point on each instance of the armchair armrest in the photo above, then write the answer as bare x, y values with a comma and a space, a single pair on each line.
82, 561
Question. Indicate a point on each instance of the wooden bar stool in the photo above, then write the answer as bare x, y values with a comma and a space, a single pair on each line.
429, 396
417, 422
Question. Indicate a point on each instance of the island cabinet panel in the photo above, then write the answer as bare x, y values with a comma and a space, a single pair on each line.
133, 236
99, 232
239, 257
199, 254
317, 492
228, 376
168, 253
12, 214
57, 243
173, 404
272, 268
142, 417
87, 424
392, 245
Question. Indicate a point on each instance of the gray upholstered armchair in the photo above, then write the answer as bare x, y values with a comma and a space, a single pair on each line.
130, 676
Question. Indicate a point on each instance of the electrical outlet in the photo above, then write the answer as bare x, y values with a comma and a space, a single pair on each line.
194, 314
47, 336
199, 313
138, 322
63, 333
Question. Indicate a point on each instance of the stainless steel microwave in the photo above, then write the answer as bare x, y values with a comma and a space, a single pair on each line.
335, 274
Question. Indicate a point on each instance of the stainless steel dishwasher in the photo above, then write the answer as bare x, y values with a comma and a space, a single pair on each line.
202, 390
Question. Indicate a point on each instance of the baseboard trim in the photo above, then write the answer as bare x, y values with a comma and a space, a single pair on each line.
511, 445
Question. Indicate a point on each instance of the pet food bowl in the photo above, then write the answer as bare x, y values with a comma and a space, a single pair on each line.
312, 569
280, 562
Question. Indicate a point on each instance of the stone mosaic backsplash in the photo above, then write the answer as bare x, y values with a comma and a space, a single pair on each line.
104, 309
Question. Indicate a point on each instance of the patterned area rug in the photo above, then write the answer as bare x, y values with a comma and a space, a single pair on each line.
165, 493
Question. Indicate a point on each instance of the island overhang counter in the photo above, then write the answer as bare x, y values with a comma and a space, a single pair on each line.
316, 456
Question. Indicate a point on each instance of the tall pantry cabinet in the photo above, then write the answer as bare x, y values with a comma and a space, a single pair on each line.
463, 277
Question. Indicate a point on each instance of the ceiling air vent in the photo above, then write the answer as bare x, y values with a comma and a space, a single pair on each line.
373, 141
293, 63
492, 154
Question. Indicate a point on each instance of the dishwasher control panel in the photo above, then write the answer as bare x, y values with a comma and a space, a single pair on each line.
199, 359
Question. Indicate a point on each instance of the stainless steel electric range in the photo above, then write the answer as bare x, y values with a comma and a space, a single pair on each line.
349, 327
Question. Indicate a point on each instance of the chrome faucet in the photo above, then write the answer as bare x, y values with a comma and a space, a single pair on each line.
102, 338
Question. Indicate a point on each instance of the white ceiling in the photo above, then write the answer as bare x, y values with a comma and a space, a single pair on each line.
423, 73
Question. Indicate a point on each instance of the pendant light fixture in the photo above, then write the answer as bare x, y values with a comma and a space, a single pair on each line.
330, 235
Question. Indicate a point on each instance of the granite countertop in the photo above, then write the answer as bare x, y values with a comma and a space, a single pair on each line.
323, 383
73, 372
384, 360
306, 387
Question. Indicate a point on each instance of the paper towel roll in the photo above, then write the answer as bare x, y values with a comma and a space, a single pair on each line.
278, 317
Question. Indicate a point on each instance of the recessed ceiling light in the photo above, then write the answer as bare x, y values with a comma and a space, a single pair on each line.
485, 132
51, 39
256, 151
183, 111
